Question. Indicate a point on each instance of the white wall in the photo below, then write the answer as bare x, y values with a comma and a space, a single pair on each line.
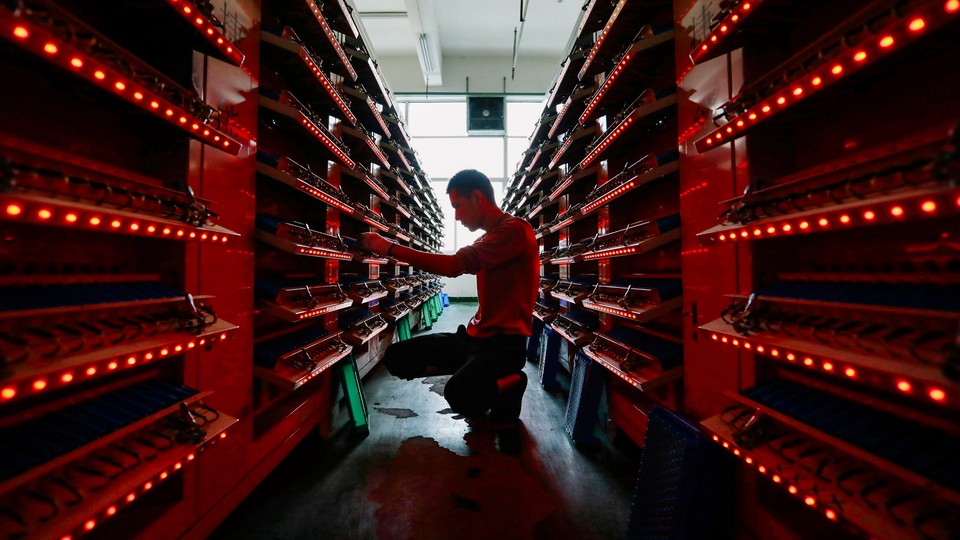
533, 76
461, 286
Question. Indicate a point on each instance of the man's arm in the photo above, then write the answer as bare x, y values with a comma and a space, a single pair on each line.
445, 265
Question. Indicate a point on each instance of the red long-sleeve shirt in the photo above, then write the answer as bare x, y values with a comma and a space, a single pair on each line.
507, 265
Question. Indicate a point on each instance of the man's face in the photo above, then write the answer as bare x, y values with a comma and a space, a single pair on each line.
466, 209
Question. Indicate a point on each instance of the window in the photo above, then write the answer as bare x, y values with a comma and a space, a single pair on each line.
438, 131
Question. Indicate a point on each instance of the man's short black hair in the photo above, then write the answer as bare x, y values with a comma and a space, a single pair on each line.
468, 180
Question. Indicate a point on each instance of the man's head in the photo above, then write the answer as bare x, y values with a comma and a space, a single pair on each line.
471, 195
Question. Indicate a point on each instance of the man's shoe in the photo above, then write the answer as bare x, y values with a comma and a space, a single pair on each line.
506, 409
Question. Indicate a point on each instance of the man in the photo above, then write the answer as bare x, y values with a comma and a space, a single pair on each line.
487, 356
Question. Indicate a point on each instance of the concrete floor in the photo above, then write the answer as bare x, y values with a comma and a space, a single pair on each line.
423, 473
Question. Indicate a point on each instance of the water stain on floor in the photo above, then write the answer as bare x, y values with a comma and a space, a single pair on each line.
431, 492
438, 383
397, 413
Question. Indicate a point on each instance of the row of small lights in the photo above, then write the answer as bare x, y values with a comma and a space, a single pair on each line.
382, 122
208, 30
821, 78
692, 130
562, 224
926, 206
327, 85
325, 197
615, 369
333, 39
556, 125
598, 97
808, 499
376, 186
610, 253
320, 368
77, 62
607, 141
406, 166
327, 140
110, 511
560, 151
934, 393
603, 35
536, 157
377, 152
612, 195
322, 310
302, 250
613, 311
49, 214
82, 373
726, 28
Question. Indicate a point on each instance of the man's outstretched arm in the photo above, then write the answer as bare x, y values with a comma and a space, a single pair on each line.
445, 265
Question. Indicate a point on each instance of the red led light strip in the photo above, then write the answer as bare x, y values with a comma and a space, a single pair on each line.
327, 85
809, 499
51, 378
37, 40
846, 61
598, 97
333, 38
61, 214
613, 134
726, 27
93, 520
882, 210
372, 145
303, 250
613, 311
210, 32
607, 253
606, 198
559, 153
381, 121
375, 186
840, 369
562, 224
561, 188
603, 35
321, 134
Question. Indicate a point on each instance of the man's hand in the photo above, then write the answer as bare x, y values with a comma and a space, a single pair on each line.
374, 243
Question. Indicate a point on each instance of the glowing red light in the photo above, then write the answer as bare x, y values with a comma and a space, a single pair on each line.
850, 372
860, 56
771, 229
837, 69
154, 105
804, 225
827, 366
844, 219
134, 226
937, 394
112, 365
929, 206
752, 116
917, 24
138, 95
904, 386
817, 81
120, 86
869, 215
781, 100
952, 6
151, 229
14, 210
44, 214
71, 218
115, 224
896, 211
748, 459
776, 478
223, 435
787, 227
886, 41
131, 497
99, 75
797, 91
810, 501
793, 490
762, 469
746, 7
808, 361
39, 384
148, 486
21, 32
89, 525
791, 357
765, 108
95, 221
91, 371
8, 392
50, 48
132, 360
67, 377
831, 515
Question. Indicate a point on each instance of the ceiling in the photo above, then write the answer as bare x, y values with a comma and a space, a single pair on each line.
467, 28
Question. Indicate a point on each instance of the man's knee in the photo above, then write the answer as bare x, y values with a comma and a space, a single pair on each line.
468, 397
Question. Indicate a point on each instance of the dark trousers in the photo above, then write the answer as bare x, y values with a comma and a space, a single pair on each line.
476, 364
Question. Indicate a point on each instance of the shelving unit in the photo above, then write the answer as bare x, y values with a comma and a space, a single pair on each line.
817, 347
182, 277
